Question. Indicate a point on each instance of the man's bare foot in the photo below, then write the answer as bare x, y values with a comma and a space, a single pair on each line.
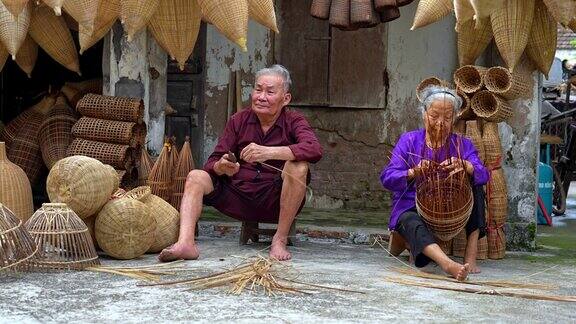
457, 270
179, 251
278, 249
472, 266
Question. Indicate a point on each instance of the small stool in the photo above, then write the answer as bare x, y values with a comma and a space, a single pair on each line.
251, 231
396, 244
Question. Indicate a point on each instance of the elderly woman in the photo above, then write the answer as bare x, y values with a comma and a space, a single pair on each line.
411, 157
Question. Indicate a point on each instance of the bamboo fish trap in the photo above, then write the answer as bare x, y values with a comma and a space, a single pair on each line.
108, 131
112, 108
430, 11
117, 155
262, 11
135, 14
63, 240
491, 107
25, 150
508, 85
17, 247
541, 45
473, 40
56, 5
107, 14
230, 17
15, 190
144, 167
160, 178
27, 55
340, 14
83, 11
183, 167
13, 30
15, 6
55, 135
563, 11
470, 78
492, 145
475, 135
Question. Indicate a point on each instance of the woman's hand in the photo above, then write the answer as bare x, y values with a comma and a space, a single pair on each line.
455, 165
419, 169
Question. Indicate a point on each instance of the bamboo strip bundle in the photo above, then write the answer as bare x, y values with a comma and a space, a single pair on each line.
13, 30
107, 131
83, 11
496, 244
25, 149
15, 190
475, 135
56, 5
470, 78
262, 11
508, 85
27, 55
106, 15
492, 146
63, 239
183, 167
17, 247
320, 9
175, 25
431, 11
491, 107
541, 45
472, 40
144, 167
112, 108
135, 15
52, 34
230, 17
55, 134
15, 7
160, 178
563, 11
511, 26
116, 155
340, 14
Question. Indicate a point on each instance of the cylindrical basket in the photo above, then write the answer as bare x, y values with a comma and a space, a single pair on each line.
508, 85
55, 132
496, 243
112, 108
340, 13
117, 155
108, 131
474, 134
492, 146
491, 107
469, 78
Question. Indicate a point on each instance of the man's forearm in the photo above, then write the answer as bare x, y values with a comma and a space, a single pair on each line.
283, 153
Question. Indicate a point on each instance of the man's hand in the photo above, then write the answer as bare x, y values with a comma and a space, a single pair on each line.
455, 165
256, 153
224, 166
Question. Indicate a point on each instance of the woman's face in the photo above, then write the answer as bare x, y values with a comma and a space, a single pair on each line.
438, 118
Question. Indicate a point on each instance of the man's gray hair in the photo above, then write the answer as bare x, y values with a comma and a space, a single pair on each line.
280, 71
434, 92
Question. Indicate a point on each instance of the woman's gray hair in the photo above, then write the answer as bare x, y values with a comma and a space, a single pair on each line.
280, 71
434, 92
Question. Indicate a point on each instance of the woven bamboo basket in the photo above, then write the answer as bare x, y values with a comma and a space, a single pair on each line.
175, 25
431, 81
74, 92
55, 134
64, 241
125, 229
174, 155
446, 246
83, 11
230, 17
144, 167
13, 30
363, 14
107, 14
15, 6
541, 45
27, 55
52, 34
15, 190
84, 184
563, 11
183, 167
508, 85
320, 9
492, 145
56, 5
112, 108
160, 178
475, 135
135, 15
3, 58
464, 13
381, 5
431, 11
107, 131
459, 244
491, 107
17, 247
496, 243
25, 149
389, 14
511, 26
116, 155
469, 78
11, 130
340, 14
466, 112
473, 41
483, 8
482, 249
90, 223
497, 198
262, 11
459, 127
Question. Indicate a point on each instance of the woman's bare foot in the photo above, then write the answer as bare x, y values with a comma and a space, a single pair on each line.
472, 266
179, 251
278, 249
457, 270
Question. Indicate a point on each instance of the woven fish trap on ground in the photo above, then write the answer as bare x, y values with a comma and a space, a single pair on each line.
496, 243
112, 108
230, 17
125, 229
64, 241
492, 145
466, 112
431, 11
491, 107
262, 11
15, 190
135, 15
431, 81
25, 149
470, 78
117, 155
17, 247
13, 30
183, 167
542, 41
108, 131
508, 85
55, 134
162, 173
444, 205
320, 9
27, 56
472, 41
475, 135
83, 183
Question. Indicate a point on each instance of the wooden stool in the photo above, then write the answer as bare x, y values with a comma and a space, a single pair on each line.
251, 231
396, 244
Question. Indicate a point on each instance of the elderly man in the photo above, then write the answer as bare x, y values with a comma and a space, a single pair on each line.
248, 189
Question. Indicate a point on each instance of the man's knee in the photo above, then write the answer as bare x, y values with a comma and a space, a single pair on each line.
198, 178
298, 169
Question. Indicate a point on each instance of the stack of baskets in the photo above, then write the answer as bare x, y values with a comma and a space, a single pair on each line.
111, 130
355, 14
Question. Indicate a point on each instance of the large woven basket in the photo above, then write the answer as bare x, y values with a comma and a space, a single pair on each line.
55, 134
508, 85
107, 14
63, 240
25, 149
135, 14
56, 5
83, 11
15, 190
262, 11
472, 40
541, 45
497, 198
183, 167
84, 184
561, 10
320, 9
112, 108
430, 11
108, 131
230, 17
162, 173
492, 145
17, 247
15, 6
27, 55
482, 249
511, 26
53, 35
13, 30
475, 135
469, 78
125, 229
117, 155
175, 25
491, 107
496, 243
340, 14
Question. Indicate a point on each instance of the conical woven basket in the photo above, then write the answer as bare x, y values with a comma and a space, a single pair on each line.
508, 85
27, 55
469, 78
15, 6
175, 25
511, 26
13, 30
135, 14
174, 156
17, 247
491, 107
125, 229
183, 167
117, 155
475, 135
340, 14
483, 8
464, 13
230, 17
541, 45
56, 5
55, 134
3, 57
262, 11
431, 11
84, 184
25, 149
11, 130
492, 146
563, 11
466, 112
83, 11
112, 108
320, 9
160, 178
473, 41
63, 240
144, 168
53, 35
431, 81
497, 198
363, 14
107, 131
496, 243
107, 14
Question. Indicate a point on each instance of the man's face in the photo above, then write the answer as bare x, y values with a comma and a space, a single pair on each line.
438, 118
269, 96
